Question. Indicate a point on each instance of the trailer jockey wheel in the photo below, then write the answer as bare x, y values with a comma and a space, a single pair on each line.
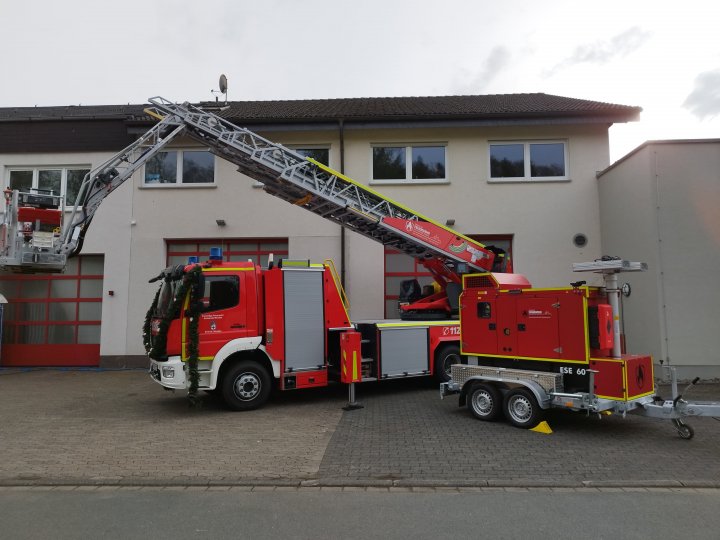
522, 409
485, 402
684, 430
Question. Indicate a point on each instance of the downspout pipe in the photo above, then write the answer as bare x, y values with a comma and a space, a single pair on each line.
341, 133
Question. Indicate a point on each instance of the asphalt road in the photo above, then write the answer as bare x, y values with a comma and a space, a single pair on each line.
176, 513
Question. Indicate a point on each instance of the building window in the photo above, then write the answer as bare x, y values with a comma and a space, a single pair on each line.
63, 181
240, 249
404, 163
318, 153
180, 167
542, 160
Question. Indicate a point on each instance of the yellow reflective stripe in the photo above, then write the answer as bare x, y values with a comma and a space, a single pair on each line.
524, 357
226, 269
419, 323
380, 195
586, 326
153, 113
355, 366
183, 327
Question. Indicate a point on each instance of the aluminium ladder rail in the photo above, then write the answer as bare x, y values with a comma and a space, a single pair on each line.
305, 182
108, 176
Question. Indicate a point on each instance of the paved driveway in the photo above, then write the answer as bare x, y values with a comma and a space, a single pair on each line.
118, 427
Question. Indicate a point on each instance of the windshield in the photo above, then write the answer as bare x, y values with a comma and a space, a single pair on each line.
167, 293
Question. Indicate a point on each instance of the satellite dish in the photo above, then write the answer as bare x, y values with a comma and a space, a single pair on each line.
223, 84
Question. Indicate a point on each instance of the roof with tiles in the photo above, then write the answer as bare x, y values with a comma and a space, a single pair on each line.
511, 106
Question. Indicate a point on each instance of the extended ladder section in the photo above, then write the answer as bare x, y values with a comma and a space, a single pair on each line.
325, 192
32, 236
284, 173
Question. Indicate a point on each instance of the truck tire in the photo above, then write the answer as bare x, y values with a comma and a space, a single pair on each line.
445, 357
246, 386
522, 409
485, 402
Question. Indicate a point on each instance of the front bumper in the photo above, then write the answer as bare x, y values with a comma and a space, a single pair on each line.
169, 374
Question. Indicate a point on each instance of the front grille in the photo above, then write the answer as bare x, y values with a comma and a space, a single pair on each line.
482, 281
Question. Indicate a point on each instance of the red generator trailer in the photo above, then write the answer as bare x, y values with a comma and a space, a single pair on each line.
530, 350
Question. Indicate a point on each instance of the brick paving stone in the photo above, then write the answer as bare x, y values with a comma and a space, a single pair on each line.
409, 435
120, 426
63, 429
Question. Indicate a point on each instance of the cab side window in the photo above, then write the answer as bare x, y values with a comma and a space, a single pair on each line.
221, 292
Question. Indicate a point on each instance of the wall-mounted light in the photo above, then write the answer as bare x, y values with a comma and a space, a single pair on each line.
450, 222
220, 222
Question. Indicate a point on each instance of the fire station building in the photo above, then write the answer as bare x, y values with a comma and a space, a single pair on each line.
518, 171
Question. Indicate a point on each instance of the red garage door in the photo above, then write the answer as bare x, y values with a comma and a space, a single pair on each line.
53, 320
237, 249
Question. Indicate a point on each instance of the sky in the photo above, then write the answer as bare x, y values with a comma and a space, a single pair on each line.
662, 56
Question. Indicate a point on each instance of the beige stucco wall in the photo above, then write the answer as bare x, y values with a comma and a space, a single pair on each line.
660, 205
542, 216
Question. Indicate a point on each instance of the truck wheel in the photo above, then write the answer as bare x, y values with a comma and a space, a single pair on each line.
444, 358
246, 386
522, 409
484, 402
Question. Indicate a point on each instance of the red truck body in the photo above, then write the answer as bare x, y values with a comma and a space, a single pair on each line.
288, 321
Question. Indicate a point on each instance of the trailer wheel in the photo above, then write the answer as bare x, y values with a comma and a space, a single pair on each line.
444, 358
484, 402
684, 430
522, 409
246, 386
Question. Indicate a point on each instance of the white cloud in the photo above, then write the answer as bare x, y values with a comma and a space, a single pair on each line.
604, 51
704, 100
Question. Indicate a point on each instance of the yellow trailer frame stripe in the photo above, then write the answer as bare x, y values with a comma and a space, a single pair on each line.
419, 323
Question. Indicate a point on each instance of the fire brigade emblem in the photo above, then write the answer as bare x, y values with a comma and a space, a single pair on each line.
213, 326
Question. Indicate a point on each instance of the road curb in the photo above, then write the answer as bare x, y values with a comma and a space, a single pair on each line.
360, 483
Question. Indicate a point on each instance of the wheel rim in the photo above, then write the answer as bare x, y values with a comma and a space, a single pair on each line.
482, 402
448, 361
520, 409
247, 386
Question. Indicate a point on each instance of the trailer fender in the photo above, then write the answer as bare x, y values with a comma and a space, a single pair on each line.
240, 345
504, 385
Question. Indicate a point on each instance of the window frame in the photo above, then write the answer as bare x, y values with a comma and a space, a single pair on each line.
35, 169
408, 146
209, 280
527, 143
179, 171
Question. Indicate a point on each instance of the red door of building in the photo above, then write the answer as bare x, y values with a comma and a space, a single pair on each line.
53, 320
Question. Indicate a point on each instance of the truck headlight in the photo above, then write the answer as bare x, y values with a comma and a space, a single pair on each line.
168, 372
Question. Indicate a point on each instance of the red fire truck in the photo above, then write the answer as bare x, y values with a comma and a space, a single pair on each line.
285, 325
